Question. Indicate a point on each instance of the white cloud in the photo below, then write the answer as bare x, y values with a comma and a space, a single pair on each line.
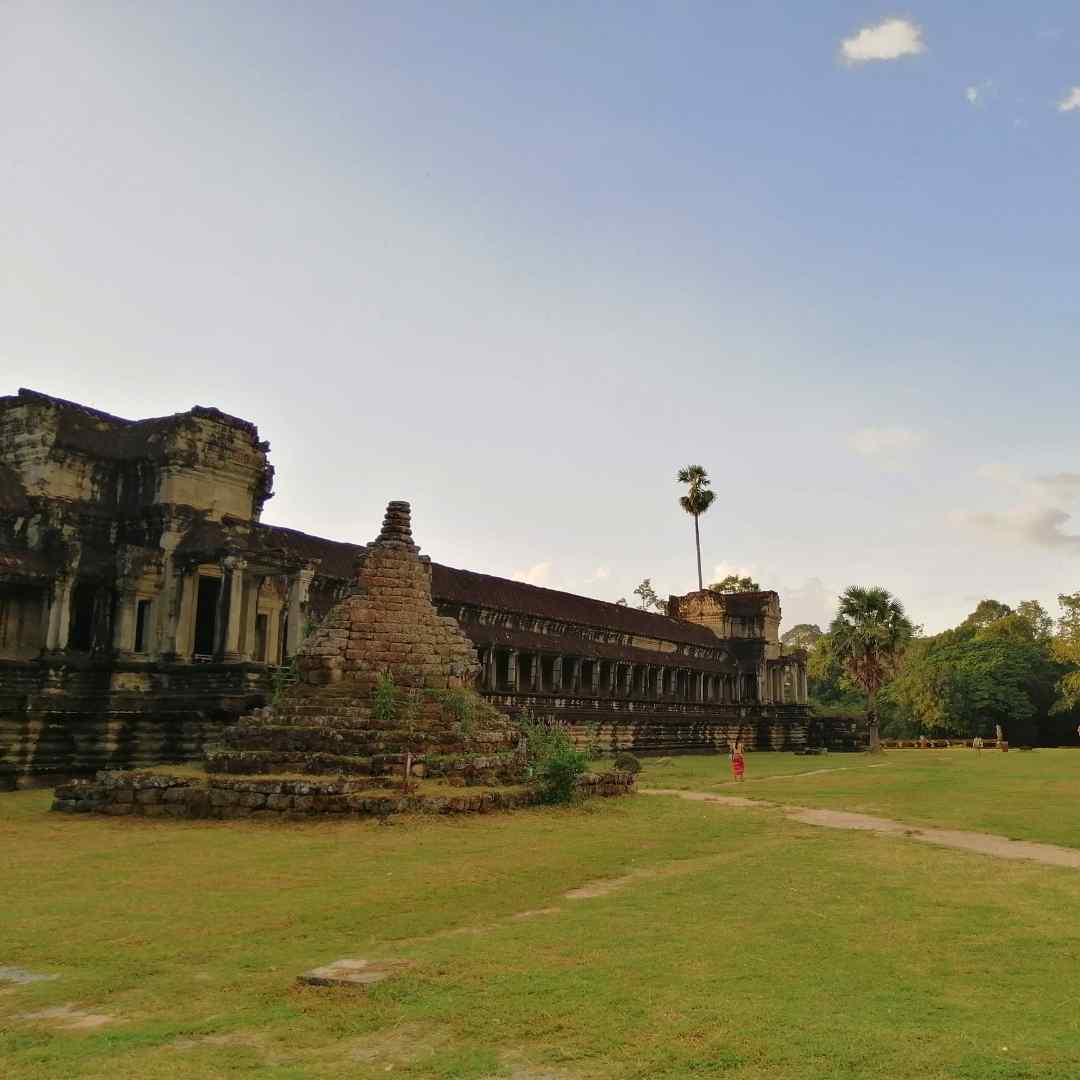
539, 574
1042, 526
1000, 473
977, 93
601, 573
888, 40
887, 441
972, 94
1051, 489
1065, 485
1071, 101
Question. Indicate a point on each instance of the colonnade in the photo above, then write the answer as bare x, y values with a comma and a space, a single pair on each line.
518, 671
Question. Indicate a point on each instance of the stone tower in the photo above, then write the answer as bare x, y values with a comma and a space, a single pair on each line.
382, 677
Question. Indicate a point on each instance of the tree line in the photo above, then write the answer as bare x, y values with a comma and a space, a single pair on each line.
1014, 667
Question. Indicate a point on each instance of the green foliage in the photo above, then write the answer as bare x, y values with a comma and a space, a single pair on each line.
385, 699
648, 597
626, 762
734, 583
555, 761
986, 612
1066, 650
868, 638
999, 666
698, 498
281, 678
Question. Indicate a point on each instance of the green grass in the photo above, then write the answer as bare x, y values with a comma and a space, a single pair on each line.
741, 945
1025, 795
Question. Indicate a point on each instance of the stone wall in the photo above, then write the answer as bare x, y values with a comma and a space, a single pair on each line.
61, 719
157, 795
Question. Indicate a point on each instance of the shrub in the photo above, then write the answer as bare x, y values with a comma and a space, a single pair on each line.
558, 774
281, 678
556, 762
626, 762
385, 699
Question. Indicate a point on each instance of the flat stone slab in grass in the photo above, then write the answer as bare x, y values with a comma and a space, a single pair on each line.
21, 975
358, 973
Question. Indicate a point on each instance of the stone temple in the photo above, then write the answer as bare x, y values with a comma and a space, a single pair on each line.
385, 626
145, 608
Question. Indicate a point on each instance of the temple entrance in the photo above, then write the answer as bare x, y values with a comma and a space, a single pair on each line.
206, 604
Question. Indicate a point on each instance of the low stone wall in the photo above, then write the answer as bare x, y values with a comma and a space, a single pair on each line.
143, 794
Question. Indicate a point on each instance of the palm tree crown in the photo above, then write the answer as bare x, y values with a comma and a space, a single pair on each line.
695, 502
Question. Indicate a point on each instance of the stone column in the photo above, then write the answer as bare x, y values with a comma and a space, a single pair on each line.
56, 634
490, 669
273, 635
174, 614
299, 588
595, 677
252, 587
557, 674
804, 688
536, 682
512, 670
628, 680
124, 627
232, 586
575, 675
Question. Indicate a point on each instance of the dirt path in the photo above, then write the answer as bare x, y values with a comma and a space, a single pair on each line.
1000, 847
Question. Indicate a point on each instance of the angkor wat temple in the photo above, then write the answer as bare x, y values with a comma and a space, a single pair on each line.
144, 606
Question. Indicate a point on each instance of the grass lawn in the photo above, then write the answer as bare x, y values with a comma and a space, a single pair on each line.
731, 943
1025, 795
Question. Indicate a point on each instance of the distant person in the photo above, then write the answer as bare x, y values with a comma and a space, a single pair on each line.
738, 763
977, 744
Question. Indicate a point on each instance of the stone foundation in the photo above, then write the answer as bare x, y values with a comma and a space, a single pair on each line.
152, 794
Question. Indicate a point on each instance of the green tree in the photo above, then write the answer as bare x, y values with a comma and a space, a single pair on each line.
734, 583
1066, 649
868, 638
1041, 623
649, 599
986, 612
695, 502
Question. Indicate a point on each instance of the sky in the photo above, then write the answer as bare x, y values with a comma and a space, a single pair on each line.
520, 262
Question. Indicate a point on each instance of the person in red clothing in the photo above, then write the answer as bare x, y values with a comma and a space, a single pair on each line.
738, 762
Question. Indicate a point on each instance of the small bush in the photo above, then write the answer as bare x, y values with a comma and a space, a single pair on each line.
625, 762
556, 762
558, 774
384, 704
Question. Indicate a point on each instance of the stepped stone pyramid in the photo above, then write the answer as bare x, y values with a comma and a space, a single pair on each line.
387, 625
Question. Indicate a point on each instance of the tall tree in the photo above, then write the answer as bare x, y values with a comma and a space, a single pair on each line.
1066, 646
695, 502
868, 637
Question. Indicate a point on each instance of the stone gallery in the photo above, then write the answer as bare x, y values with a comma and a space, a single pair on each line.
383, 698
145, 608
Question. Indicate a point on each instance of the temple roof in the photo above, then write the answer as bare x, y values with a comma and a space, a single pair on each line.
467, 587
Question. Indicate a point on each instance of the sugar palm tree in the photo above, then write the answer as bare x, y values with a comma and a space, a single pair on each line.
868, 637
695, 502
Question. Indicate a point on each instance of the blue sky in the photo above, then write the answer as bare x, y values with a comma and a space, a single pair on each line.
518, 263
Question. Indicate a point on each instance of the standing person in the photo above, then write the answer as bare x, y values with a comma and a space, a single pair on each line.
977, 744
738, 762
